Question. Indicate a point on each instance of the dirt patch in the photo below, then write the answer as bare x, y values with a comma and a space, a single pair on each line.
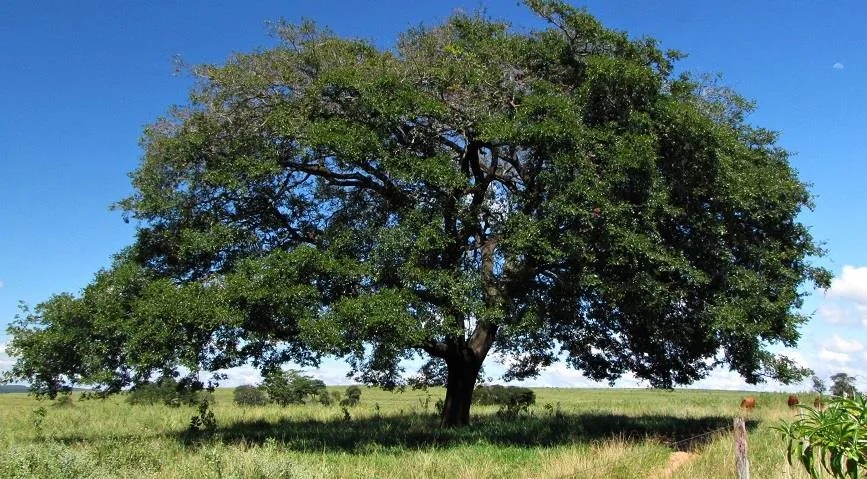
676, 460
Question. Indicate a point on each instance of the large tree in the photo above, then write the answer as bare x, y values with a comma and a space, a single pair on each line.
843, 385
544, 195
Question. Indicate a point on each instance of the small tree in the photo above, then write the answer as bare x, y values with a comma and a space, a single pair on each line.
291, 387
167, 391
819, 385
248, 395
325, 398
843, 385
353, 396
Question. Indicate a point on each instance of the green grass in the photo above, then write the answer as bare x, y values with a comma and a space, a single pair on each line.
596, 433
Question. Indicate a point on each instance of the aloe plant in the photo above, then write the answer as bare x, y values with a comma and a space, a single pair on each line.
833, 439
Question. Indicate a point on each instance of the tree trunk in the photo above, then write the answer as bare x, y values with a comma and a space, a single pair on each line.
462, 376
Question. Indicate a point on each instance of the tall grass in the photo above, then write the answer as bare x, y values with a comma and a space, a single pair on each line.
596, 433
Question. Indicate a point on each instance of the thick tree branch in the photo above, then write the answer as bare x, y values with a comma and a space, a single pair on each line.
435, 348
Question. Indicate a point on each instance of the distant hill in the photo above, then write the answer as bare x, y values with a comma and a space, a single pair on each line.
13, 388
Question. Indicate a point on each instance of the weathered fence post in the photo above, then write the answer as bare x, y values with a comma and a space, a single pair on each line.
741, 460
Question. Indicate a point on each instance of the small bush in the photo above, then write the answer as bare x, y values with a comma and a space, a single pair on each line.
291, 387
504, 396
169, 392
63, 401
512, 400
248, 395
204, 423
352, 396
832, 438
329, 399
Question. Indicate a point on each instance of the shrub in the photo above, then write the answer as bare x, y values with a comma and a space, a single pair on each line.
832, 438
248, 395
326, 399
504, 396
204, 423
169, 392
352, 396
291, 387
63, 400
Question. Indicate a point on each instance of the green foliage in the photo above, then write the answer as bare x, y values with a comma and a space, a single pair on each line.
545, 194
108, 439
291, 387
248, 395
352, 396
167, 391
37, 418
326, 399
64, 400
832, 439
513, 400
843, 385
204, 423
819, 385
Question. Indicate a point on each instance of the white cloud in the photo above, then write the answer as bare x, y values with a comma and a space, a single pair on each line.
838, 66
845, 302
833, 313
722, 378
240, 376
838, 344
796, 356
5, 360
862, 313
560, 375
2, 284
331, 372
851, 285
833, 356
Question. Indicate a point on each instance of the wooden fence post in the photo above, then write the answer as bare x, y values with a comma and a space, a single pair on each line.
741, 460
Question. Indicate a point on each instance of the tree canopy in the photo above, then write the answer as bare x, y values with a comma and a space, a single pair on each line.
843, 385
550, 194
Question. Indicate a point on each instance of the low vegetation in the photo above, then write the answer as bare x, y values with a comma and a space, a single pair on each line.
286, 388
166, 391
248, 395
512, 400
566, 433
833, 439
291, 387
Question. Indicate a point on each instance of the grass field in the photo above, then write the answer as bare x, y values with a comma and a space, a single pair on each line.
580, 433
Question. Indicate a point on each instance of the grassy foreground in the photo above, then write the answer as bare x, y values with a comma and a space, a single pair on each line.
580, 433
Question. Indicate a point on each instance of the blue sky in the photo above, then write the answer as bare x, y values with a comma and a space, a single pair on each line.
79, 80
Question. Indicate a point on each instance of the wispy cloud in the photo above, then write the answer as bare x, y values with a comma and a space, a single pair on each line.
838, 344
833, 356
2, 284
835, 314
838, 66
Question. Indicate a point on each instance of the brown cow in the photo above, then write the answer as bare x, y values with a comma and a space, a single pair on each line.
819, 402
793, 401
748, 403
